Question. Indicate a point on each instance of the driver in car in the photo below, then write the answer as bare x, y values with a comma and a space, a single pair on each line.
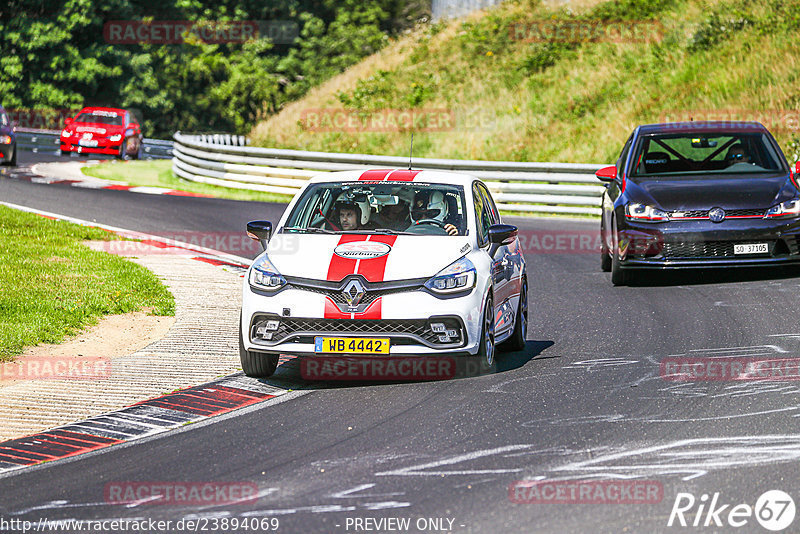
737, 154
430, 207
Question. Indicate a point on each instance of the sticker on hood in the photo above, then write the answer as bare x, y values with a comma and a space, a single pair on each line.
362, 250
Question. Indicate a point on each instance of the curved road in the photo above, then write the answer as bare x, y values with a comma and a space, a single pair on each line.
584, 401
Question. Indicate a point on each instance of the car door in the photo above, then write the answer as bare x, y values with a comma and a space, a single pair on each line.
610, 195
502, 264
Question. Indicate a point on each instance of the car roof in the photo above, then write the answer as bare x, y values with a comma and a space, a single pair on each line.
402, 176
702, 127
89, 109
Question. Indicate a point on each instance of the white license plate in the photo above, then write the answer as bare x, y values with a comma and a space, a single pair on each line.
92, 143
751, 248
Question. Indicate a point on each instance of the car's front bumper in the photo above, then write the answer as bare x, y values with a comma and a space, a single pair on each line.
405, 318
699, 244
104, 147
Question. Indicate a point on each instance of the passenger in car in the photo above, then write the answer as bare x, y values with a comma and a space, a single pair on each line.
354, 216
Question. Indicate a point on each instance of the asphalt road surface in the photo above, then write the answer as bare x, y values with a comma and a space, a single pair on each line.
585, 401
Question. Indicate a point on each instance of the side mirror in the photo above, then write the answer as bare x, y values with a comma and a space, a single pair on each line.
797, 168
68, 121
501, 234
260, 231
607, 174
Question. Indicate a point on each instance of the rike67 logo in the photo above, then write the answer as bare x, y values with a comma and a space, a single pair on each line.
774, 510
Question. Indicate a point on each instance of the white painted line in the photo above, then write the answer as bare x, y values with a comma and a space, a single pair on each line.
133, 234
150, 190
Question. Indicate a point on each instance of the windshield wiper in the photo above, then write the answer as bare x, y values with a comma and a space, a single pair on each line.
389, 231
310, 230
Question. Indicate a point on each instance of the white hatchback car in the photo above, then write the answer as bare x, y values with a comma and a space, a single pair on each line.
384, 262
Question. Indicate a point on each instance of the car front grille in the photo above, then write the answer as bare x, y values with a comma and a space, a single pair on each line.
400, 331
373, 290
337, 296
703, 214
707, 249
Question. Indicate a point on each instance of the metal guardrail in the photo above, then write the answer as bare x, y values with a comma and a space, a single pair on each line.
564, 188
47, 142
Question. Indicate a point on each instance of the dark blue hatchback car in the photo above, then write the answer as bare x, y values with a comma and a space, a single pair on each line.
8, 140
694, 195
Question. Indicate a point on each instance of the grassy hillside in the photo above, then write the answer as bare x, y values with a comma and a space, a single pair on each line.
565, 101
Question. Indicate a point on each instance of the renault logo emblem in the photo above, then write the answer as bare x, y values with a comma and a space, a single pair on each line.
716, 215
353, 292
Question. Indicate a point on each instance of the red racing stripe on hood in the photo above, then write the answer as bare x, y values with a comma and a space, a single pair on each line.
341, 267
374, 269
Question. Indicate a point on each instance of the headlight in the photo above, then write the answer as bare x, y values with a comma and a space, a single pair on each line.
784, 210
5, 139
645, 213
264, 275
115, 137
66, 133
458, 276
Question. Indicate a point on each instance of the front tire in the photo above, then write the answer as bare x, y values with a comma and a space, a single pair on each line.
619, 277
256, 364
605, 256
121, 154
517, 340
486, 348
13, 161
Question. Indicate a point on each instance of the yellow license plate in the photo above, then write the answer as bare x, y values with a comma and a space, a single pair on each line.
351, 345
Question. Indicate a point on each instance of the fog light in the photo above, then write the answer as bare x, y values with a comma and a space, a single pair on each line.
444, 339
263, 329
438, 328
452, 333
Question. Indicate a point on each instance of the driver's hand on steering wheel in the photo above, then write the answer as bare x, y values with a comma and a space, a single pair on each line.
451, 230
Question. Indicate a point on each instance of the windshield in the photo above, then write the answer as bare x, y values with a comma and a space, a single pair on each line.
691, 154
101, 117
386, 207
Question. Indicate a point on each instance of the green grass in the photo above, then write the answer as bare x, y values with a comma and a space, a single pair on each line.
158, 173
566, 102
53, 286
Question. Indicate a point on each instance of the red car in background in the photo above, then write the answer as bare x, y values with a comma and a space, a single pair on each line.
99, 130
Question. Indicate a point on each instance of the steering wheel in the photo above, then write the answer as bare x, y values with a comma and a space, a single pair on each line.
437, 222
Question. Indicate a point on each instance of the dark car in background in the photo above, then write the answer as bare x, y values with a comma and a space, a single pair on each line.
100, 130
712, 194
8, 139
